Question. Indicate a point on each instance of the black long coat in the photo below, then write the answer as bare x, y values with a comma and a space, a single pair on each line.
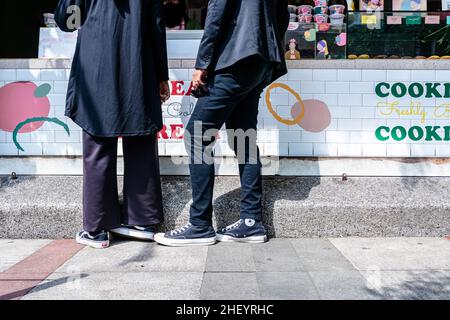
237, 29
120, 59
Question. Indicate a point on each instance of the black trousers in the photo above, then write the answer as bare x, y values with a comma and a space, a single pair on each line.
142, 205
233, 100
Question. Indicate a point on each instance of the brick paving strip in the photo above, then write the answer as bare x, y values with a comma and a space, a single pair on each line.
22, 277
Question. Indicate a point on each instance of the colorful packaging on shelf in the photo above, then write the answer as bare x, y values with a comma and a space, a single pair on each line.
320, 18
305, 9
337, 8
337, 19
305, 18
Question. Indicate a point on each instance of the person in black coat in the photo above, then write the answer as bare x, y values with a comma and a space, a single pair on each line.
242, 51
118, 81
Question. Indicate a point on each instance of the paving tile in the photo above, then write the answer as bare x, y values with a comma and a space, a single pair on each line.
119, 286
230, 257
320, 255
139, 257
286, 286
14, 251
342, 285
410, 285
230, 286
276, 255
396, 253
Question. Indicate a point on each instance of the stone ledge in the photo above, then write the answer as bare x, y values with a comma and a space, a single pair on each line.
50, 207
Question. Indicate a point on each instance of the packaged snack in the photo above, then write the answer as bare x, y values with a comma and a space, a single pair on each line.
321, 3
320, 18
292, 9
305, 18
320, 10
304, 9
293, 18
337, 19
337, 8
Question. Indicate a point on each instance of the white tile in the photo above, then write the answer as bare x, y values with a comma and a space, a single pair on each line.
337, 136
300, 149
60, 87
398, 150
350, 99
339, 112
275, 149
374, 75
363, 137
443, 150
325, 150
372, 124
289, 136
179, 74
330, 99
398, 75
279, 99
423, 75
54, 149
42, 136
442, 75
63, 137
175, 149
162, 149
8, 149
349, 124
312, 87
374, 150
362, 112
8, 75
313, 136
349, 150
362, 87
31, 149
53, 74
423, 150
349, 75
57, 99
324, 75
337, 87
300, 74
28, 74
74, 149
372, 100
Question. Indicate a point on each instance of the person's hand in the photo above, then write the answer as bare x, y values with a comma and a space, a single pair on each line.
198, 78
164, 91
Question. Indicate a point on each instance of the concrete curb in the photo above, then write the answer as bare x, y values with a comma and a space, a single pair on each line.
50, 207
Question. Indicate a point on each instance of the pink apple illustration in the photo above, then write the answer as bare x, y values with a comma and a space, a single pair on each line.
24, 107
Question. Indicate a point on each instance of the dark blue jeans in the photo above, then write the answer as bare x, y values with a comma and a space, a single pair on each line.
233, 100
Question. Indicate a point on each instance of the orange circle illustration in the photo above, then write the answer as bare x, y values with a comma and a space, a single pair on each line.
289, 122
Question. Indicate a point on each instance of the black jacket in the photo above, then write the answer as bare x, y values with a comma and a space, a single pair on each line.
120, 59
236, 29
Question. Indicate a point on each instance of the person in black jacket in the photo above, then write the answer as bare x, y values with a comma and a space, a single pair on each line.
241, 52
119, 79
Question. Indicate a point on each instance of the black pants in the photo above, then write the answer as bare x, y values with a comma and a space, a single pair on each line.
233, 100
142, 204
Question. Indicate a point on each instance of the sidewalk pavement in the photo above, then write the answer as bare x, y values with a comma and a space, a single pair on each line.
338, 268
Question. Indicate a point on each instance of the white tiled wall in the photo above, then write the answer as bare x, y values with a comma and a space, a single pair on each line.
349, 95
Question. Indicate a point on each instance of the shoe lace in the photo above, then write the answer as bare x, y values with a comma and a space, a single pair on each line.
180, 230
234, 225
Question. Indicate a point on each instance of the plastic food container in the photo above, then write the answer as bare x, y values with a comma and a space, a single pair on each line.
293, 18
305, 9
321, 3
337, 19
320, 18
337, 8
305, 18
321, 10
292, 9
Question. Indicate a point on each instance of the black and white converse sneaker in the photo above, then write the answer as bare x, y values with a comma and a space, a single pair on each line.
245, 230
188, 235
97, 241
136, 232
